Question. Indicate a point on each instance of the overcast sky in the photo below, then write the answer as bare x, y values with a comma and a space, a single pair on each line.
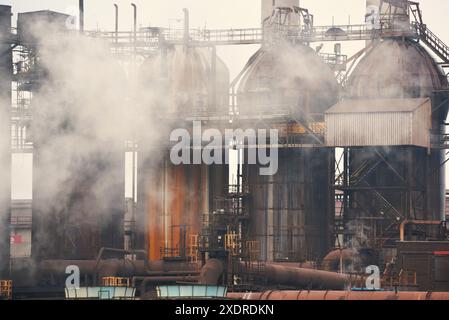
99, 14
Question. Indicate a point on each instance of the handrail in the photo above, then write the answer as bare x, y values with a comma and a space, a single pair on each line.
414, 222
432, 41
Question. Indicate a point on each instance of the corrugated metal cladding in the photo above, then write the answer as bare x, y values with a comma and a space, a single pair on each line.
386, 122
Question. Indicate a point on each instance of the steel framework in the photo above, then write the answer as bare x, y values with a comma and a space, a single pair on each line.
138, 44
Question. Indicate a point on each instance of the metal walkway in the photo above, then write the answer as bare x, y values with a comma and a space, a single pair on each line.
432, 41
154, 37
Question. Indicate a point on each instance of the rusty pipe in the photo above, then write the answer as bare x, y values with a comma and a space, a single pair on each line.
116, 267
304, 278
335, 259
145, 281
339, 295
149, 266
104, 249
153, 281
414, 222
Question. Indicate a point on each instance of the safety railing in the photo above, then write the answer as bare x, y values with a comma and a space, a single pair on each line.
5, 289
21, 221
115, 282
432, 41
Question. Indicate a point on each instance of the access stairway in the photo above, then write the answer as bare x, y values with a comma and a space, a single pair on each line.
432, 41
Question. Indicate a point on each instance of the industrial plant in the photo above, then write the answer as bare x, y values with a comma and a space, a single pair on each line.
322, 177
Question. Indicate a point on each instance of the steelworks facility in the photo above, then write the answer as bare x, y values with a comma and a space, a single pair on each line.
355, 210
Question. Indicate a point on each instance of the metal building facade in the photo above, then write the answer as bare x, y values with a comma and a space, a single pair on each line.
291, 211
393, 122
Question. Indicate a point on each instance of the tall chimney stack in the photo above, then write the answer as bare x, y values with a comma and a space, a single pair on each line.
81, 13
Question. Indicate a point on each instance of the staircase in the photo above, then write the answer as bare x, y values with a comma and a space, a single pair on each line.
432, 41
365, 169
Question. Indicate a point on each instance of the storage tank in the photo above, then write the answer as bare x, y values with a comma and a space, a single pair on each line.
406, 181
174, 198
287, 78
191, 81
291, 211
30, 25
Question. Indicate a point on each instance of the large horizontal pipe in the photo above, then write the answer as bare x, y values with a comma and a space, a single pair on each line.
304, 278
116, 267
336, 259
150, 266
276, 274
164, 280
169, 279
339, 295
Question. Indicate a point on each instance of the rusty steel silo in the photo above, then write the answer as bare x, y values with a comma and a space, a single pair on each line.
291, 211
173, 198
387, 185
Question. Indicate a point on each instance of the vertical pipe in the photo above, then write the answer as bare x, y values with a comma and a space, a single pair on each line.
213, 99
134, 174
5, 138
442, 178
346, 195
132, 218
81, 13
135, 21
116, 22
186, 26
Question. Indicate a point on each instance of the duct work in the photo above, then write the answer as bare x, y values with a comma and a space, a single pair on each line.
306, 278
280, 275
52, 273
340, 295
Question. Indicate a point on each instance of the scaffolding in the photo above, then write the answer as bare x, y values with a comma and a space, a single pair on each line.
194, 251
6, 289
115, 282
178, 250
376, 226
225, 236
24, 75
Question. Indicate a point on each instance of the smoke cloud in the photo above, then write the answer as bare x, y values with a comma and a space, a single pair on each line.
84, 109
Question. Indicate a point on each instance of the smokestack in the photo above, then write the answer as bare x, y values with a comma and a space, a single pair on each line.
81, 12
269, 5
186, 26
135, 20
5, 138
116, 22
